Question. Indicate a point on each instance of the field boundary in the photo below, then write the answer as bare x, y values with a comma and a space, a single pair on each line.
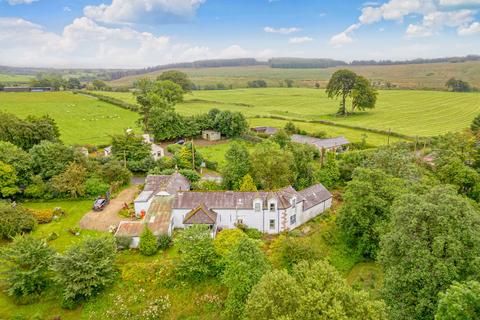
240, 104
335, 124
116, 102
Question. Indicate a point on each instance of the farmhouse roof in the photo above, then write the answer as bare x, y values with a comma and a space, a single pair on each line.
321, 143
315, 195
162, 183
235, 200
201, 215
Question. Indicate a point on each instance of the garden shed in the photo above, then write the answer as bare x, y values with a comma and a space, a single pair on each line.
211, 135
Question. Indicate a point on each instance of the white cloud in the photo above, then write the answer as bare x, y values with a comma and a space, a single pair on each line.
85, 43
67, 9
281, 30
435, 16
143, 11
300, 40
472, 29
459, 2
15, 2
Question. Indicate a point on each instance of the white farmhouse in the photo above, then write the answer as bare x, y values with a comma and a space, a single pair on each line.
166, 204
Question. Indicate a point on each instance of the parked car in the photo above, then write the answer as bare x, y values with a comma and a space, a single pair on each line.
101, 202
181, 142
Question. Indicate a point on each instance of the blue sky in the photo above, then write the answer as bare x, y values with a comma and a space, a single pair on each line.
140, 33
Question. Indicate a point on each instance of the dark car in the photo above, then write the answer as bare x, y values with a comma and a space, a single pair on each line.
181, 142
100, 203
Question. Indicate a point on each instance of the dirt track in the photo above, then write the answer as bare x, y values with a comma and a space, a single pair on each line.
101, 221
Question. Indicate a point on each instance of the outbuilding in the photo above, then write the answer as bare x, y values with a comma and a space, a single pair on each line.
211, 135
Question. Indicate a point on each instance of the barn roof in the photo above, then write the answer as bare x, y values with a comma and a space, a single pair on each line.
321, 143
162, 183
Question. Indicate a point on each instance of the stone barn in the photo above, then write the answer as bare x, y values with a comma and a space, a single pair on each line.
211, 135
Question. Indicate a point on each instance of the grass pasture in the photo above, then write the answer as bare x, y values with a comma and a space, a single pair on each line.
6, 78
409, 76
413, 113
81, 119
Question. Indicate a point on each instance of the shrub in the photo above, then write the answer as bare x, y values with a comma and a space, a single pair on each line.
164, 242
191, 175
123, 243
253, 233
95, 186
43, 216
85, 270
212, 165
26, 262
148, 243
14, 221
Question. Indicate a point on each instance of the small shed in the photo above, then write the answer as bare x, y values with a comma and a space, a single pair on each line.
211, 135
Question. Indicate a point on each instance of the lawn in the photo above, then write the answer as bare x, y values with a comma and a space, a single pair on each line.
217, 152
81, 119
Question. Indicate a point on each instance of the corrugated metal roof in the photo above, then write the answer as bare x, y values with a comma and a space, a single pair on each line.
321, 143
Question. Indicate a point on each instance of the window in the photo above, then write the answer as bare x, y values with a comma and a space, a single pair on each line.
272, 224
294, 203
258, 207
272, 207
293, 219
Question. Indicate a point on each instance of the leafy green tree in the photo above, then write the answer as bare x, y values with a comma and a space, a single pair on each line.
19, 159
230, 124
73, 83
166, 125
247, 184
148, 243
129, 147
26, 262
366, 208
290, 128
457, 173
458, 85
433, 240
179, 78
237, 165
226, 240
460, 301
95, 186
281, 138
71, 182
314, 291
396, 161
198, 259
364, 96
304, 164
329, 173
286, 252
15, 221
115, 174
341, 85
99, 85
271, 167
169, 91
85, 269
8, 180
244, 267
50, 158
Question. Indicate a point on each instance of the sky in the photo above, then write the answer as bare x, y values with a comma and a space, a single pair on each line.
142, 33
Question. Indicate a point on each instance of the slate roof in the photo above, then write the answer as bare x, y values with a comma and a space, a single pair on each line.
157, 183
314, 195
320, 143
235, 200
201, 215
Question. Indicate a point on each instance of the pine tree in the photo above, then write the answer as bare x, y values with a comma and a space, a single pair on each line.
248, 184
148, 243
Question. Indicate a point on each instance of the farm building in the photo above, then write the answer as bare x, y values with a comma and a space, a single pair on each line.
265, 130
211, 135
27, 89
156, 151
166, 204
332, 144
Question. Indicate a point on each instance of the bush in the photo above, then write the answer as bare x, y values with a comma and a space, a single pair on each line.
43, 216
191, 175
14, 221
164, 242
123, 243
212, 165
253, 233
148, 243
85, 270
95, 186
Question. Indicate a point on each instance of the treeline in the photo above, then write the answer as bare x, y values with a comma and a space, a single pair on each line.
415, 61
292, 63
216, 63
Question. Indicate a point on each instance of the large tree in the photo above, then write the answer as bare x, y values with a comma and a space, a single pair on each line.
244, 267
50, 158
313, 291
230, 124
271, 166
8, 180
85, 269
71, 182
433, 240
19, 159
179, 78
341, 85
26, 263
345, 84
366, 208
237, 165
460, 301
458, 85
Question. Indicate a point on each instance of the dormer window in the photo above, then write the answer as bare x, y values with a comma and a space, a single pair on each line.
272, 207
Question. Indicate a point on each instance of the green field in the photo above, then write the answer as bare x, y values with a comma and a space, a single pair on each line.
81, 119
409, 76
413, 113
12, 78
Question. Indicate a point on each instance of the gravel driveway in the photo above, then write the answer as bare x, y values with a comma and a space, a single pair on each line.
101, 221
